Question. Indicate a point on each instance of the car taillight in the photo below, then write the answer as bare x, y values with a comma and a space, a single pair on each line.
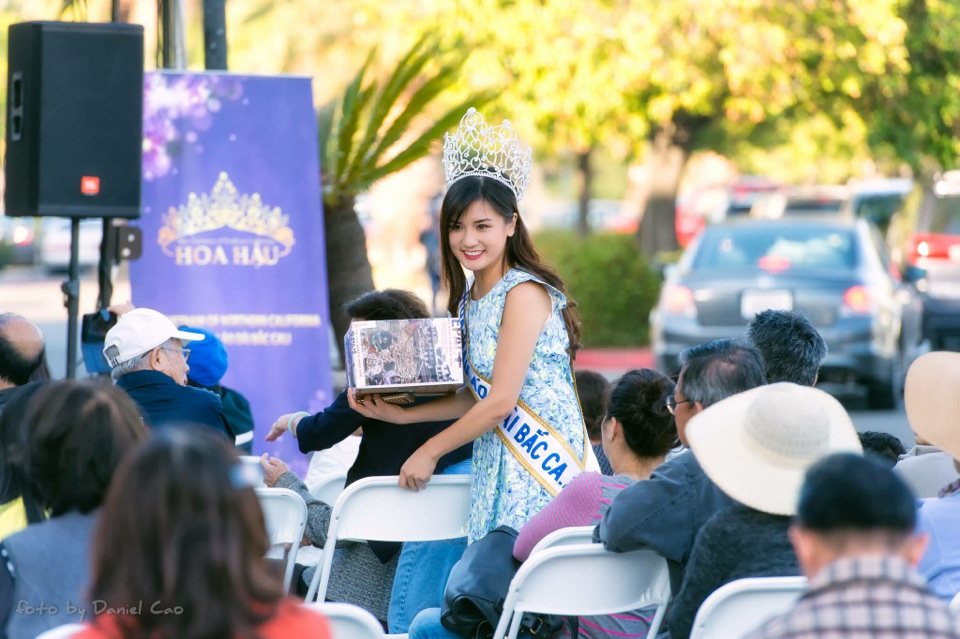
22, 235
924, 247
679, 301
857, 299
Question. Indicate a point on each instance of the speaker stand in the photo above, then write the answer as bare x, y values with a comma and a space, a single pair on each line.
71, 297
108, 251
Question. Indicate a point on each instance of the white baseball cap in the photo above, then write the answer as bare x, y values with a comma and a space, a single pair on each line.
140, 331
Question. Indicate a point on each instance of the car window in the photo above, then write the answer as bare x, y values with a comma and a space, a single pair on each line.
775, 248
878, 208
812, 206
945, 216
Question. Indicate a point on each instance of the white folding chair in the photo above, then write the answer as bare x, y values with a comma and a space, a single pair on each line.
586, 579
348, 621
377, 509
328, 490
565, 537
285, 516
62, 632
735, 609
955, 604
253, 463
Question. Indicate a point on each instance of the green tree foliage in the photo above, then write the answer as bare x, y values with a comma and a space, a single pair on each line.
611, 282
916, 114
667, 78
725, 75
378, 127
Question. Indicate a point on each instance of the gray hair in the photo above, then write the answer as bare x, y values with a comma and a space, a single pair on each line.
719, 369
136, 363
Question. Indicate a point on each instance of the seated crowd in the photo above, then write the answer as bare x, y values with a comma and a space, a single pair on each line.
126, 508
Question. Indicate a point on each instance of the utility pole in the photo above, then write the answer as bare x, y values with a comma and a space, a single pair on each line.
174, 43
214, 35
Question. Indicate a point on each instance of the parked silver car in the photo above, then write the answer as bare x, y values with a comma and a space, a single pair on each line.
836, 271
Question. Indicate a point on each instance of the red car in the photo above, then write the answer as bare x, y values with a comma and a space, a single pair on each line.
928, 230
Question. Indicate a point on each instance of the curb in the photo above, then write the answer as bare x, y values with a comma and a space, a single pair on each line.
614, 359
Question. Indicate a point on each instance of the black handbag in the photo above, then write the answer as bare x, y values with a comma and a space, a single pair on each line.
477, 587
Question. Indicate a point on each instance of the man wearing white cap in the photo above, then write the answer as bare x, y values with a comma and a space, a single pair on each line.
148, 360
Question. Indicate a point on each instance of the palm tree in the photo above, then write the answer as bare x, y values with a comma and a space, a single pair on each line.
358, 136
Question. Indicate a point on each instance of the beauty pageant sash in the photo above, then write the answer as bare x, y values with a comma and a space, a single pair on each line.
539, 448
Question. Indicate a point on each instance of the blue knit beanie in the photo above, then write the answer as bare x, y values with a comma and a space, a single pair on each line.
208, 358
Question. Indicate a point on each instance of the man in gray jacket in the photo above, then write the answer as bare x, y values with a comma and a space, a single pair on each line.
666, 511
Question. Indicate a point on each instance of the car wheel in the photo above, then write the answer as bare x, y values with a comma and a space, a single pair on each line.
887, 394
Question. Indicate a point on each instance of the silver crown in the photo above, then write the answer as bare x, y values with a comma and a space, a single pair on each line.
489, 151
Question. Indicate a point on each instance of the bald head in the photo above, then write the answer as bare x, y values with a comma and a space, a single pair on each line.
21, 349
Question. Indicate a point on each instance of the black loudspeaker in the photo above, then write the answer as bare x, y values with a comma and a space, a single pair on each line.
74, 119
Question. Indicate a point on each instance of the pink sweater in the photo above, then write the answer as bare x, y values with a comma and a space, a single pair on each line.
582, 503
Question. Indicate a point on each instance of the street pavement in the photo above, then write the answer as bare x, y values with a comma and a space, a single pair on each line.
36, 295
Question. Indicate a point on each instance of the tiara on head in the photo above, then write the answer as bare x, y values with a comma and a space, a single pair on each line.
488, 151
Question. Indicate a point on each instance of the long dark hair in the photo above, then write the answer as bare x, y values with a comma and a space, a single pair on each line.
182, 528
520, 251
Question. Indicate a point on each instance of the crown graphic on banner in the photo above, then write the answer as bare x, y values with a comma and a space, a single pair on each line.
489, 151
224, 207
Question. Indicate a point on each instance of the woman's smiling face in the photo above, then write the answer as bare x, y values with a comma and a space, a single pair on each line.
479, 237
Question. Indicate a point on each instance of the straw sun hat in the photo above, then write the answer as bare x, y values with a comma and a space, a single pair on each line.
931, 396
757, 445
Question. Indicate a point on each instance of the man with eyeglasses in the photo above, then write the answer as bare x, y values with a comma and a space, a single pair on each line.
666, 511
148, 359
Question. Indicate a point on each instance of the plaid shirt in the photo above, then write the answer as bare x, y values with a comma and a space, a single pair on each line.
865, 598
949, 489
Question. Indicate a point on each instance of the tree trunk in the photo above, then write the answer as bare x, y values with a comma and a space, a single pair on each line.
670, 148
348, 269
215, 35
585, 184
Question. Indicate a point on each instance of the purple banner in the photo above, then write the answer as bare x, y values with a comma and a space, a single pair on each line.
233, 234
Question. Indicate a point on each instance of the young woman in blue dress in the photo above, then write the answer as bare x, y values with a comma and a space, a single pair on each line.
520, 406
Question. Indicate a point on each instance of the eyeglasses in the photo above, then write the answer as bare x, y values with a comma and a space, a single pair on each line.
184, 351
672, 402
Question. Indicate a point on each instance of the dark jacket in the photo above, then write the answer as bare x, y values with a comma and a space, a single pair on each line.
8, 394
163, 401
736, 543
664, 512
236, 408
384, 446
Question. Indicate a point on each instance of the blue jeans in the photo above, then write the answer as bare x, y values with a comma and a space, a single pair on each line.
422, 572
426, 625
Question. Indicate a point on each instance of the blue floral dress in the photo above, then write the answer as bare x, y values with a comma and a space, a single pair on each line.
504, 492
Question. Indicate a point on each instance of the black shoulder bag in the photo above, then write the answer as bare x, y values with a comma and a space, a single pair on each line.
477, 588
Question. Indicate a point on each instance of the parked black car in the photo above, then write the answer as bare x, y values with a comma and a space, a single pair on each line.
836, 271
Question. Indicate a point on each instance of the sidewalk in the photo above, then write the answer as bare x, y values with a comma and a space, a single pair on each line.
613, 362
